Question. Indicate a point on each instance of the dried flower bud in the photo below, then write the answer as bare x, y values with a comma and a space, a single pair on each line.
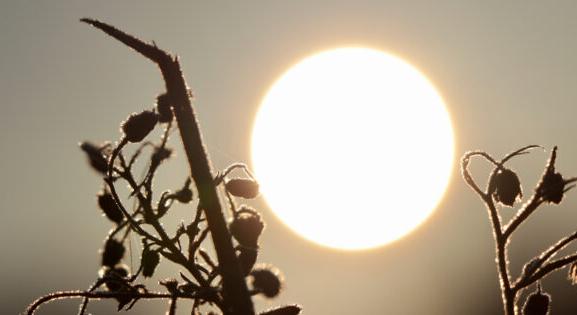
247, 259
242, 187
283, 310
246, 227
170, 284
506, 187
553, 187
117, 276
113, 253
184, 195
163, 107
160, 154
137, 126
95, 157
267, 281
537, 303
531, 266
149, 261
109, 207
573, 273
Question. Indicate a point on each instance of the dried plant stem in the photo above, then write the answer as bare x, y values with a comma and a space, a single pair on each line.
102, 295
540, 266
172, 306
508, 295
508, 292
235, 293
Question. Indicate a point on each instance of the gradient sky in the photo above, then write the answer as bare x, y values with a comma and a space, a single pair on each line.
507, 70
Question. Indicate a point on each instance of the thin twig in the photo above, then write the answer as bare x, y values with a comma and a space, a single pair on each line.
114, 194
546, 269
102, 295
544, 257
172, 306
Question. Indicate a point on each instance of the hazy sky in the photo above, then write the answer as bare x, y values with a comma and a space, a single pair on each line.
507, 70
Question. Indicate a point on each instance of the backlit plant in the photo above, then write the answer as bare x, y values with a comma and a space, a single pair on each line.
504, 190
224, 284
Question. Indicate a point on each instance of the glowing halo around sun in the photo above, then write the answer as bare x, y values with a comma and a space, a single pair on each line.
353, 148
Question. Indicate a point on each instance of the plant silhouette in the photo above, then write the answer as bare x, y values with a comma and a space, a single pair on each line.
504, 189
218, 285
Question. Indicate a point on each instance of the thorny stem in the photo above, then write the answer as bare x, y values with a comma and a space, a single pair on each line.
236, 296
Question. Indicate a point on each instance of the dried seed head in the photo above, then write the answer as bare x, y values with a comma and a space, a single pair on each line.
170, 284
532, 266
266, 280
109, 207
506, 187
242, 187
163, 107
95, 157
246, 227
247, 259
149, 261
283, 310
553, 187
137, 126
160, 154
113, 253
184, 195
117, 276
537, 303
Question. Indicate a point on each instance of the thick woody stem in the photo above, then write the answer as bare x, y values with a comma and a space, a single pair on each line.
236, 295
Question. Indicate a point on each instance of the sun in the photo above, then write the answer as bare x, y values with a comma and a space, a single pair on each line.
353, 148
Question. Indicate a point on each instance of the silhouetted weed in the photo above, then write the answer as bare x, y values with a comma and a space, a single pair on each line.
215, 284
504, 188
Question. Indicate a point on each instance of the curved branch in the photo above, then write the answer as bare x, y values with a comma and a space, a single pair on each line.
101, 295
562, 243
545, 270
523, 150
467, 175
546, 255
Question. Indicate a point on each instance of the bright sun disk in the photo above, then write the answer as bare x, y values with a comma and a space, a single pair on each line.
353, 148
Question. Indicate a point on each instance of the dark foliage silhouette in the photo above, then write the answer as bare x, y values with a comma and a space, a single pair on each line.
216, 285
504, 189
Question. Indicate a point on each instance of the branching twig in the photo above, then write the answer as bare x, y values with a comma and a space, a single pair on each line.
504, 183
102, 295
236, 295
